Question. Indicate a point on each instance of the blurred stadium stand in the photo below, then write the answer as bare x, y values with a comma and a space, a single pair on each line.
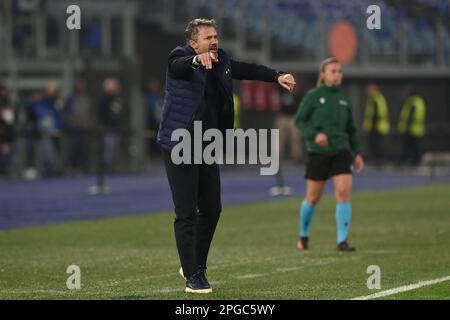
297, 31
131, 39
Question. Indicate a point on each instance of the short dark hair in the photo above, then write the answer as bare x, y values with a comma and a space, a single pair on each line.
191, 31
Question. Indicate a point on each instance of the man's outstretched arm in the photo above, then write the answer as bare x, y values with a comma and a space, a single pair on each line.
249, 71
180, 64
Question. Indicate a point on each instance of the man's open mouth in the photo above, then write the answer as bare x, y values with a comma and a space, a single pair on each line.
214, 51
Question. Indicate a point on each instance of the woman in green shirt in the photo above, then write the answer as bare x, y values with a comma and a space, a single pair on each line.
325, 118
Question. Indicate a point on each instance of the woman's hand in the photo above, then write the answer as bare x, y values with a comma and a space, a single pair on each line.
322, 140
359, 163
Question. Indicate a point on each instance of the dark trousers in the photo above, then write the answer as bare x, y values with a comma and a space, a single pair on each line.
196, 196
375, 141
411, 150
79, 149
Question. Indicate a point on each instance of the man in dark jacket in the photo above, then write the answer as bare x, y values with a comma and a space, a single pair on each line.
111, 119
199, 88
7, 134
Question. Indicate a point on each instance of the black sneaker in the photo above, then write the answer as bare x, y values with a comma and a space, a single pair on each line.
203, 275
345, 246
197, 283
302, 244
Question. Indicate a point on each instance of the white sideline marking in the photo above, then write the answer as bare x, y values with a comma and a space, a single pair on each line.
402, 289
163, 291
251, 276
91, 293
287, 269
37, 291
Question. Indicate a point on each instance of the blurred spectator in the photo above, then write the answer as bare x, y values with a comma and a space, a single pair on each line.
50, 125
411, 127
237, 111
259, 96
259, 101
80, 120
94, 35
376, 122
31, 133
284, 121
7, 120
111, 113
153, 99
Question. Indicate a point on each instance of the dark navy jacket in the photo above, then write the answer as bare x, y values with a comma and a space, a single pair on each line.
185, 86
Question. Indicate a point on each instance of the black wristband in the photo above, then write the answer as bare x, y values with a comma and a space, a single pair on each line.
279, 73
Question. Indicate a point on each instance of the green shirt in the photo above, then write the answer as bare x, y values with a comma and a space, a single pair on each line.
328, 110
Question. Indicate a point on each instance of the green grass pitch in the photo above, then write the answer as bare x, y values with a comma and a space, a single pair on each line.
405, 232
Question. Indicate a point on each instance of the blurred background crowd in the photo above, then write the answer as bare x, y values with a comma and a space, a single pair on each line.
73, 99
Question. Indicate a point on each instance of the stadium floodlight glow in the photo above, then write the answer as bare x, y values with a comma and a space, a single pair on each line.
213, 153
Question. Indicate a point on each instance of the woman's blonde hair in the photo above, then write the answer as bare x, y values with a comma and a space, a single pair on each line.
322, 67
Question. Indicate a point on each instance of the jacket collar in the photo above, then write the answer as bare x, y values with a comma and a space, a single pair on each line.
190, 49
329, 88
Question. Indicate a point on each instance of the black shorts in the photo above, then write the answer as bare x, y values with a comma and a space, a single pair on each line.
321, 167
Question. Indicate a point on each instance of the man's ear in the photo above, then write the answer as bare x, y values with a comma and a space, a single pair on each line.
193, 44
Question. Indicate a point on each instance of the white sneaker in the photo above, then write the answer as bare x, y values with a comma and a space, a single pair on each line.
30, 174
280, 191
287, 191
181, 273
275, 191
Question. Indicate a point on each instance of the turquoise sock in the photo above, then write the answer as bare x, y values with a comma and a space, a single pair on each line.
306, 214
343, 216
